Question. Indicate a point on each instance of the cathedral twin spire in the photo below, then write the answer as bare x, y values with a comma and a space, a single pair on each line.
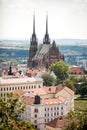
46, 39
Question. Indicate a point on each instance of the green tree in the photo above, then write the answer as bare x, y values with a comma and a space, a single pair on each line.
77, 120
48, 80
83, 91
10, 111
60, 69
70, 84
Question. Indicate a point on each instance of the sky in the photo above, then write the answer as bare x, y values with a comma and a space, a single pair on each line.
66, 19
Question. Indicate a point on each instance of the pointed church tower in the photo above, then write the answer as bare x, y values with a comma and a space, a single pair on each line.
46, 39
33, 44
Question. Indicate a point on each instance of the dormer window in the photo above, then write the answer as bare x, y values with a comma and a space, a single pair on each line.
49, 89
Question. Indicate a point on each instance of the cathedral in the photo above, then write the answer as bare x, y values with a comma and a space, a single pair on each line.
42, 55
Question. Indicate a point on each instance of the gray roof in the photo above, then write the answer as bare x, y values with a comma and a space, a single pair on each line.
42, 50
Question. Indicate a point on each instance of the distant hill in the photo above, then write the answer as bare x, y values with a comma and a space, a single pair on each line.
24, 44
71, 41
74, 50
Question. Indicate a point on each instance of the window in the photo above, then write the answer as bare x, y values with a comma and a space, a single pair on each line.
1, 94
36, 110
57, 113
57, 108
61, 113
35, 126
35, 115
49, 89
4, 89
35, 121
1, 89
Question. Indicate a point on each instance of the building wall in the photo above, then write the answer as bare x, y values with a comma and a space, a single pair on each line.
11, 87
35, 114
53, 111
68, 97
43, 113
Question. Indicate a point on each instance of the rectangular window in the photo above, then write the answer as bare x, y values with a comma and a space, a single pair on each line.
36, 110
35, 121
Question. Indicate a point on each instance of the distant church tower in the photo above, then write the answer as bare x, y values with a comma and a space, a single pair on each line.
33, 45
46, 39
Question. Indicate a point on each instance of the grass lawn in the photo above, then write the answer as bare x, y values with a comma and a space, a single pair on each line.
79, 103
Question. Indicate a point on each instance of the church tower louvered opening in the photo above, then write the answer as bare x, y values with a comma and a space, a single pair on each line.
33, 44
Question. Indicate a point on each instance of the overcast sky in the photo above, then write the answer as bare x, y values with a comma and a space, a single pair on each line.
66, 18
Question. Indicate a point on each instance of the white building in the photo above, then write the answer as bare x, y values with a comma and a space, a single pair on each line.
40, 112
14, 83
53, 102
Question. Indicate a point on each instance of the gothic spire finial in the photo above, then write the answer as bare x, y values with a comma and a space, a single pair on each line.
34, 23
47, 23
46, 39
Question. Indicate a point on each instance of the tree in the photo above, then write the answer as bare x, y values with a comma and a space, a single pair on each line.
70, 84
60, 69
48, 80
83, 91
77, 120
10, 111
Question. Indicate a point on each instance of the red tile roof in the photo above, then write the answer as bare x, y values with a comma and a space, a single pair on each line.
75, 70
28, 100
57, 122
57, 100
60, 122
69, 90
33, 72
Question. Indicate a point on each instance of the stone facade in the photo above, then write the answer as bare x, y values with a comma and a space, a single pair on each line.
42, 55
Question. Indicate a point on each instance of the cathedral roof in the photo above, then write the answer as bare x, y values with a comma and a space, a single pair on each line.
42, 50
